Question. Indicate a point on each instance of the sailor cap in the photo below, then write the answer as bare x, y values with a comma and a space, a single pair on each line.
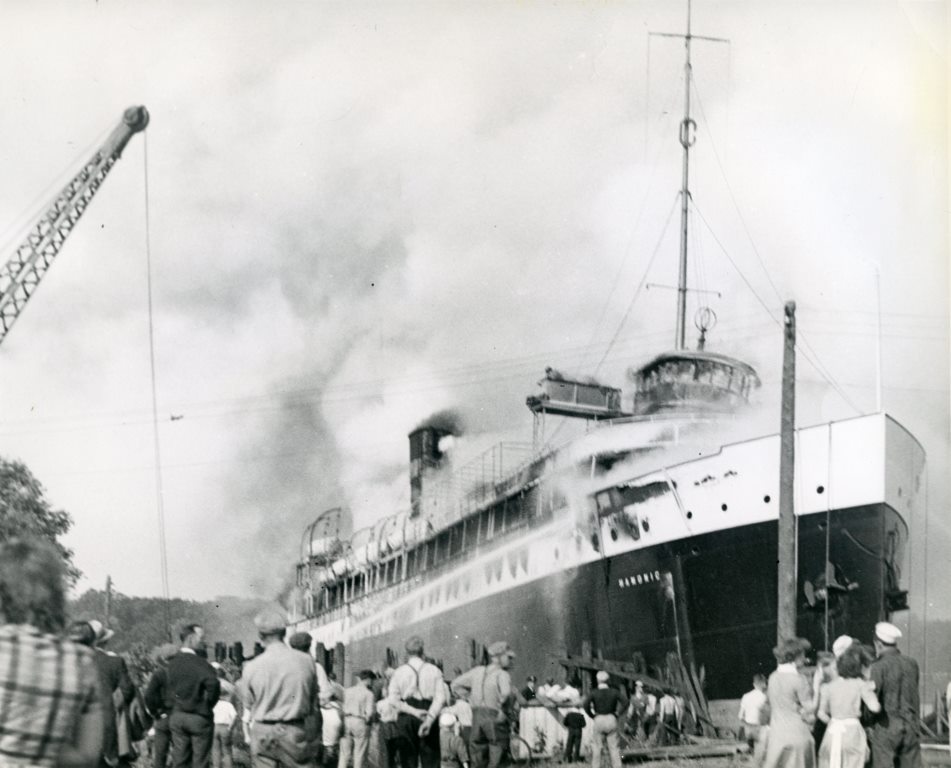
887, 633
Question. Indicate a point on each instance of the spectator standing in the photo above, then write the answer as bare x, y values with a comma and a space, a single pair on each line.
753, 711
302, 641
603, 705
491, 696
894, 732
50, 712
116, 688
158, 701
386, 713
359, 708
331, 727
463, 712
279, 696
844, 744
641, 711
826, 672
574, 722
224, 715
194, 688
670, 717
789, 694
416, 692
452, 749
529, 691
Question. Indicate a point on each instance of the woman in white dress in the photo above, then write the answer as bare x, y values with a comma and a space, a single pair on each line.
840, 704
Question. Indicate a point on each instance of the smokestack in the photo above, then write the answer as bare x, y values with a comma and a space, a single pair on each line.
424, 451
424, 454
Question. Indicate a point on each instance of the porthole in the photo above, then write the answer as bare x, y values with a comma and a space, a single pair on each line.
645, 524
766, 499
614, 534
821, 489
723, 507
689, 515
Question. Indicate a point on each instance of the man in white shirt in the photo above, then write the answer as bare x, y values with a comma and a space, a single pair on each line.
752, 711
417, 694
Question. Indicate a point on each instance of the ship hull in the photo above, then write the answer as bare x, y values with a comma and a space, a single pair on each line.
710, 597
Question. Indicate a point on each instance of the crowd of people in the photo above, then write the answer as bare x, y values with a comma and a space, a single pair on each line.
861, 705
69, 701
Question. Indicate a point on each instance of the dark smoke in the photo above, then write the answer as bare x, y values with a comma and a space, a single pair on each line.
449, 420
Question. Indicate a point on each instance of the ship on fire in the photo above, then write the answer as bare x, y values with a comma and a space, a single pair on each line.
653, 533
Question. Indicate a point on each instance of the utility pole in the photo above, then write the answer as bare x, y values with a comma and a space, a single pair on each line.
108, 601
786, 550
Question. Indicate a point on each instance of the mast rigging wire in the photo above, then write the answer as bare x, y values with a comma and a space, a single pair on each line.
160, 505
805, 349
815, 362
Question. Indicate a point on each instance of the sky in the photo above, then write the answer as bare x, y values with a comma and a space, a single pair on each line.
359, 214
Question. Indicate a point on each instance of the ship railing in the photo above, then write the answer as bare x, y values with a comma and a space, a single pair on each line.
476, 483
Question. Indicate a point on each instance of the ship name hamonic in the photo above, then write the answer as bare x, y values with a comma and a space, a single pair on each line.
638, 578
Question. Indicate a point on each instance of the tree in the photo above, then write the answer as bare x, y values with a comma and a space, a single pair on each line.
25, 511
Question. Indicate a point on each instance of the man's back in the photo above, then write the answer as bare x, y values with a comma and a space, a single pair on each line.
279, 684
193, 686
896, 684
48, 683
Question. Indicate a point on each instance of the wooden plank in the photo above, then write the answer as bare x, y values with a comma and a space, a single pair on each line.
685, 751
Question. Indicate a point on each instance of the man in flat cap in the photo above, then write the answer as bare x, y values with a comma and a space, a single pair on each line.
302, 641
894, 732
491, 696
416, 693
279, 692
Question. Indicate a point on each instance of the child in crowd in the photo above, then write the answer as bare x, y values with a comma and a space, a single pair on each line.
452, 750
575, 722
225, 716
463, 712
752, 710
332, 714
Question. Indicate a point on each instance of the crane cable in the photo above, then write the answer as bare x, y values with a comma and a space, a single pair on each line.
160, 505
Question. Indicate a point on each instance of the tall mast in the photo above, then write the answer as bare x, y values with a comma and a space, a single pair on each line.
687, 137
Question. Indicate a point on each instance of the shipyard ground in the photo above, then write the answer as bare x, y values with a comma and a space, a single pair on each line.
931, 758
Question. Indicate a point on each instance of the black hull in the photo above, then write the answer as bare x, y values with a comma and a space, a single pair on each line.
711, 596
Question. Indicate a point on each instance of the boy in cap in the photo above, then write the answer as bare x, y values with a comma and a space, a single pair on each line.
491, 697
359, 707
894, 731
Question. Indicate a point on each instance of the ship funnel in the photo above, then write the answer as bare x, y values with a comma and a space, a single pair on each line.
427, 445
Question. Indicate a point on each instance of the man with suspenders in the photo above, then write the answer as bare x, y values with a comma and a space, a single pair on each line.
491, 699
416, 693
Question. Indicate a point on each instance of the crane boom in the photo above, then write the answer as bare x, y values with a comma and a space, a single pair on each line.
22, 273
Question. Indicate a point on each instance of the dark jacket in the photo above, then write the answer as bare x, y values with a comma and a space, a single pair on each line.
604, 701
192, 684
896, 685
117, 692
158, 697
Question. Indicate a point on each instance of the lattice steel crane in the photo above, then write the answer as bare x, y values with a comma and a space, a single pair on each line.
22, 273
